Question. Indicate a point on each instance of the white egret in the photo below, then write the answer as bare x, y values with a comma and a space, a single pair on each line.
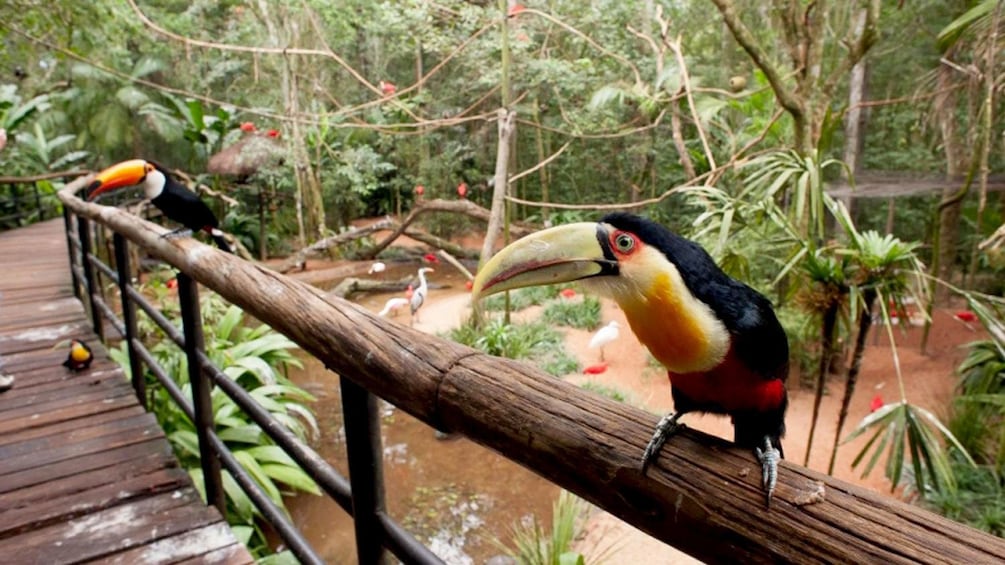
604, 335
419, 295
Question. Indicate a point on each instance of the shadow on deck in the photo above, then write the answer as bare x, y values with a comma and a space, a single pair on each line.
85, 473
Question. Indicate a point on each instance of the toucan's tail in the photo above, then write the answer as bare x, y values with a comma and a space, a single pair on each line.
220, 240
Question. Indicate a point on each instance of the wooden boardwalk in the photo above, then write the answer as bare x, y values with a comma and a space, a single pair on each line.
85, 473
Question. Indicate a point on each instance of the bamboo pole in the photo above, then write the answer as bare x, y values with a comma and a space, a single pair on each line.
702, 495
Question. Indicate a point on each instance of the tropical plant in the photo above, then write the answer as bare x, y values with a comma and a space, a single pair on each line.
255, 357
536, 342
532, 546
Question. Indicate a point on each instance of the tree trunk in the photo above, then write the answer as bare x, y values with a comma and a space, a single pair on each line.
949, 216
826, 352
507, 126
864, 323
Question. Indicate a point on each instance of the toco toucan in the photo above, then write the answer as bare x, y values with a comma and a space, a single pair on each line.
171, 197
719, 339
80, 356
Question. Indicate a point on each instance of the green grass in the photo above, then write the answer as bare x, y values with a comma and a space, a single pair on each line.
604, 390
536, 342
584, 314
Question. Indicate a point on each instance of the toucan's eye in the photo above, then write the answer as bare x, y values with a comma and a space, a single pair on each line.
624, 243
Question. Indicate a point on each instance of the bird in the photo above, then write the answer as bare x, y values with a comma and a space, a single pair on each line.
171, 197
376, 267
80, 356
604, 335
392, 305
719, 339
6, 382
419, 294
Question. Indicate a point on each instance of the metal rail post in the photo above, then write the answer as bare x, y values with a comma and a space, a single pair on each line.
366, 470
202, 403
129, 317
71, 251
84, 231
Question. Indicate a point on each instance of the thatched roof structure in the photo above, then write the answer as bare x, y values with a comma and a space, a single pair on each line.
245, 157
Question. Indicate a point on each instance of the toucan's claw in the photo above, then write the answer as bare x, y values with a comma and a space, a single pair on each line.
769, 458
667, 427
178, 233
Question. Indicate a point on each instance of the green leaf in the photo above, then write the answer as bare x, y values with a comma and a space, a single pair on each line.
292, 476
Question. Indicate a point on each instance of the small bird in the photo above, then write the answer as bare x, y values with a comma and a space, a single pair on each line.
722, 345
604, 335
80, 356
171, 197
419, 295
392, 305
377, 267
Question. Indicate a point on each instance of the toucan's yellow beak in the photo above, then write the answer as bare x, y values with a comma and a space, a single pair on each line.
126, 173
561, 254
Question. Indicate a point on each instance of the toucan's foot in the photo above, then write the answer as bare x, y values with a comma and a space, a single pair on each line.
769, 458
667, 427
180, 232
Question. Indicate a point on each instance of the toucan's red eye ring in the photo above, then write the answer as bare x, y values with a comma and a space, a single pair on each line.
623, 242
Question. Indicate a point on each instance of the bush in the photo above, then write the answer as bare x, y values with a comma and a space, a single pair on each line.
584, 314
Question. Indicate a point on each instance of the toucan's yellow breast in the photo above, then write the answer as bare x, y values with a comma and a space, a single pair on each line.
78, 353
682, 332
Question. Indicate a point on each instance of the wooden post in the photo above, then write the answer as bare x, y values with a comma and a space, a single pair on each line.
129, 318
702, 495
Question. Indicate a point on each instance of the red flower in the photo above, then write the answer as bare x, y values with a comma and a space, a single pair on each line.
248, 127
567, 293
431, 258
966, 316
595, 369
171, 283
876, 404
516, 9
469, 285
387, 88
462, 189
273, 133
420, 190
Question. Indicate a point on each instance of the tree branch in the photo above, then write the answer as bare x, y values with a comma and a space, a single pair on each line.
746, 39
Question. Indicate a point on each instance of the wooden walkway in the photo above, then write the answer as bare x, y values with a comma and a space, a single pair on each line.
85, 473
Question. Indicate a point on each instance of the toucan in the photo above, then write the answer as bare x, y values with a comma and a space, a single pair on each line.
80, 356
171, 197
722, 345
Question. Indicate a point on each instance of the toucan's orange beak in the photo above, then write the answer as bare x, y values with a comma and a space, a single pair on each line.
126, 173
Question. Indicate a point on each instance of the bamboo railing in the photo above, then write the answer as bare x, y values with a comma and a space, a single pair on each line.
702, 495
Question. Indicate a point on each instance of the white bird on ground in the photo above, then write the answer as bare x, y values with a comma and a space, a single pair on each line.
392, 305
604, 335
377, 267
419, 295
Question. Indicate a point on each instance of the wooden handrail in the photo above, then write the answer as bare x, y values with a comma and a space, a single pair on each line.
702, 495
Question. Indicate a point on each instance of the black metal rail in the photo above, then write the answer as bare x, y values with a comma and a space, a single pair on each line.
362, 496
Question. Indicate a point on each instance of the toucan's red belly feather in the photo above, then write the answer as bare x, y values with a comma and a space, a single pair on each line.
731, 387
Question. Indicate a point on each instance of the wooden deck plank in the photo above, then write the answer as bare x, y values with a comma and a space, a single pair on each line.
126, 455
111, 530
70, 425
207, 545
85, 473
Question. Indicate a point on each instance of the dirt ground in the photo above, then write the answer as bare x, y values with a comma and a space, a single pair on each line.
928, 380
